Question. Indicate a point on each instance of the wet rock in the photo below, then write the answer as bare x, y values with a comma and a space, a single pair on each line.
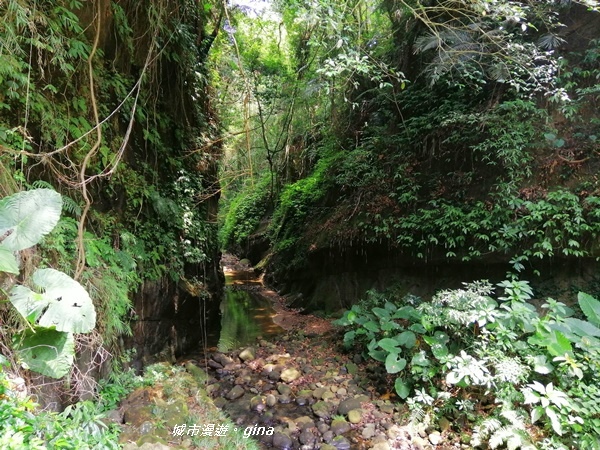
282, 441
289, 375
355, 415
327, 447
248, 354
322, 409
340, 426
236, 392
341, 443
258, 403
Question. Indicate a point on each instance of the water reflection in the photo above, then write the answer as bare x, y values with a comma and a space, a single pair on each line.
245, 314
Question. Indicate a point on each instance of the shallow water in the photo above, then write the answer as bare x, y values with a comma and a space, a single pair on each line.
245, 313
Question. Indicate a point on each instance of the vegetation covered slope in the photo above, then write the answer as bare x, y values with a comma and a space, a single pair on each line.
438, 131
107, 102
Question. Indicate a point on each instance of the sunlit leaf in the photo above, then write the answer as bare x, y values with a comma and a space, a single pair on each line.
28, 216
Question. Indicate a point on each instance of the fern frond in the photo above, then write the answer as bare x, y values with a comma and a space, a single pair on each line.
71, 207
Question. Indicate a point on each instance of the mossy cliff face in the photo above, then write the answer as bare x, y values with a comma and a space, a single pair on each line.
108, 102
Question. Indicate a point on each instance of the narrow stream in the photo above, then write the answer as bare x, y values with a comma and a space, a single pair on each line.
245, 313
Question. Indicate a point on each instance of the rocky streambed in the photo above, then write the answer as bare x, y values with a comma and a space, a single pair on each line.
297, 392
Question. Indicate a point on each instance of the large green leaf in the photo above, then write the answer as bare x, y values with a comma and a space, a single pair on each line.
47, 351
581, 327
28, 216
62, 302
394, 363
590, 307
402, 389
389, 345
8, 262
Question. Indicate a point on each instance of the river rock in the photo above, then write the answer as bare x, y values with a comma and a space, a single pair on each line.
322, 409
236, 392
258, 403
248, 354
271, 400
355, 415
328, 395
222, 359
368, 431
340, 426
349, 404
304, 422
318, 393
284, 389
289, 375
282, 441
327, 447
307, 437
341, 443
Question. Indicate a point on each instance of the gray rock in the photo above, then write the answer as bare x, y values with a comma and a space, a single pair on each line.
236, 392
322, 409
368, 431
349, 404
328, 436
341, 443
307, 437
222, 359
282, 441
270, 400
340, 426
284, 389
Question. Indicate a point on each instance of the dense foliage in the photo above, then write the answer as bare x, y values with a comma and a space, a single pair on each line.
442, 131
490, 360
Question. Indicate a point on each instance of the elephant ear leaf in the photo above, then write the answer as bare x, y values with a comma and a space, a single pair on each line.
8, 262
28, 216
47, 351
61, 302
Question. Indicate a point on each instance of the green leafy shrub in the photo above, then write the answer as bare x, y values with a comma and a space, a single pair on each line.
467, 344
58, 306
